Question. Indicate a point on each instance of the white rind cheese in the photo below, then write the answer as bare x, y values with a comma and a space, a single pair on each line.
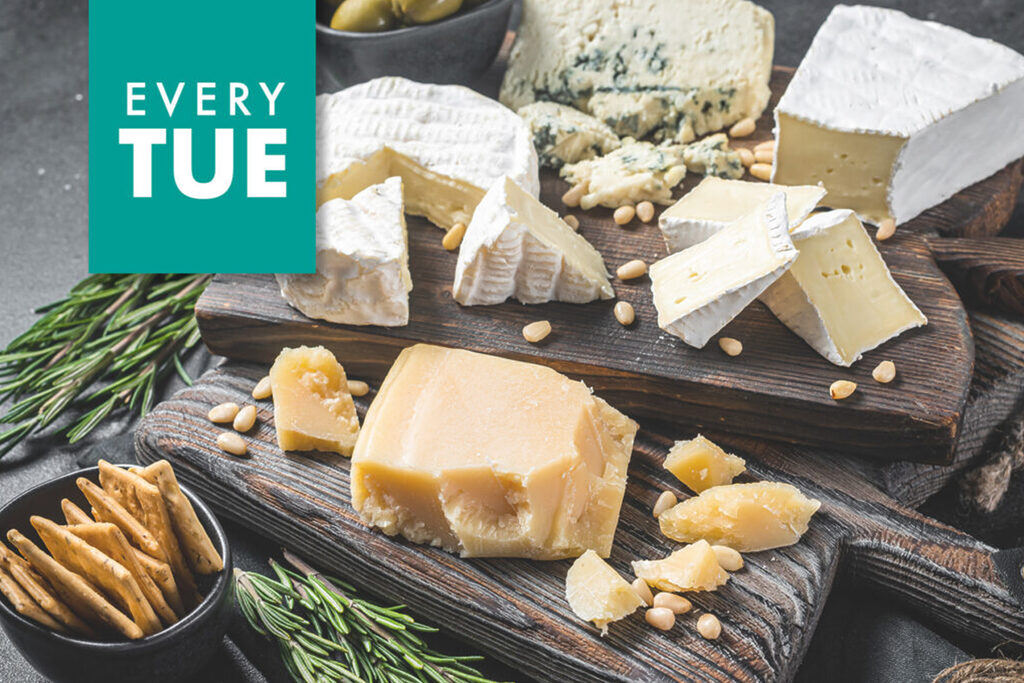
697, 291
894, 115
634, 172
839, 295
515, 247
362, 261
715, 203
664, 69
447, 143
563, 135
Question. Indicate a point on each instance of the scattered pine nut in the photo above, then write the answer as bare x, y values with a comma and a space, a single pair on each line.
841, 388
730, 346
623, 215
709, 626
245, 419
574, 194
886, 229
262, 389
728, 559
764, 156
232, 443
746, 156
645, 211
536, 331
453, 238
225, 412
624, 313
742, 128
666, 500
631, 270
761, 171
766, 145
884, 372
670, 601
358, 387
643, 590
660, 618
572, 222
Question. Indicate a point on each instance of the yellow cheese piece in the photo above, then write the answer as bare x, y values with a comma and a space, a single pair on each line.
490, 457
693, 568
312, 407
700, 464
597, 593
744, 517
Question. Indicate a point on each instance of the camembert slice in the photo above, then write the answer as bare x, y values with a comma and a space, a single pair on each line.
692, 568
597, 593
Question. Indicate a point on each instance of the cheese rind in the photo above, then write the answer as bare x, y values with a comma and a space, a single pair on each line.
839, 295
890, 112
517, 247
490, 457
701, 464
697, 291
692, 568
597, 593
634, 172
563, 135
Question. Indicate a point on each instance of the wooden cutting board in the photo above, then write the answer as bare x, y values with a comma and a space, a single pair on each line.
515, 610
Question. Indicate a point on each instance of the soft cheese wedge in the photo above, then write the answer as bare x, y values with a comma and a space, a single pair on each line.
701, 464
597, 593
635, 172
447, 143
563, 135
517, 247
490, 457
895, 115
716, 202
697, 291
693, 568
362, 261
313, 409
645, 67
744, 517
839, 295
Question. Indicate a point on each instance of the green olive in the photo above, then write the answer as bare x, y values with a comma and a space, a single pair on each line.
364, 15
425, 11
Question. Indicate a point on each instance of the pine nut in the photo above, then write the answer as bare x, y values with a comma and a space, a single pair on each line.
572, 222
709, 626
232, 443
624, 313
884, 372
623, 215
643, 590
742, 128
225, 412
764, 156
728, 559
731, 347
262, 389
761, 171
573, 196
631, 270
645, 211
536, 331
841, 388
660, 618
358, 388
453, 238
746, 156
670, 601
245, 419
666, 500
886, 229
766, 145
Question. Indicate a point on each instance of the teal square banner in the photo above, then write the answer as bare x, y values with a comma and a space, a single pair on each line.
201, 137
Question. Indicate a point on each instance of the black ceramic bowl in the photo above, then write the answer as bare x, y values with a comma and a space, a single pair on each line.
454, 50
174, 654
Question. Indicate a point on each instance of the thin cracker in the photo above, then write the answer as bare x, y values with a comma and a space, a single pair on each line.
120, 484
41, 591
158, 521
106, 509
74, 514
23, 603
162, 576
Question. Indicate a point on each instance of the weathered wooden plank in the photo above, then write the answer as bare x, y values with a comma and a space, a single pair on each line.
988, 273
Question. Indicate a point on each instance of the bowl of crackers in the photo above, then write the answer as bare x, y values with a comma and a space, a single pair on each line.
114, 573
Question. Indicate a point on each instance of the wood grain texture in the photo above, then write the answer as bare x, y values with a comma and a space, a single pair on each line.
515, 609
988, 273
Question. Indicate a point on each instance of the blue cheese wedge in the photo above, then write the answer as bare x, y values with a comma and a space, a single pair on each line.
563, 135
712, 156
663, 70
515, 247
635, 172
895, 115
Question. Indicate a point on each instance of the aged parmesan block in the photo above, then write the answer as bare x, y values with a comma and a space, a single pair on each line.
693, 568
312, 407
486, 456
745, 517
700, 464
597, 593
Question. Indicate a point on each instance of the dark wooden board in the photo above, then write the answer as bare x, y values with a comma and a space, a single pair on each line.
515, 610
988, 273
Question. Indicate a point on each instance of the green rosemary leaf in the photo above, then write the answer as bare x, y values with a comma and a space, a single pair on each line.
180, 369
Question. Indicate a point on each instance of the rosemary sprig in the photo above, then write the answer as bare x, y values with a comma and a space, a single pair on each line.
107, 344
325, 633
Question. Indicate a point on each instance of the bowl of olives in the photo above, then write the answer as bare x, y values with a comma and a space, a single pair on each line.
431, 41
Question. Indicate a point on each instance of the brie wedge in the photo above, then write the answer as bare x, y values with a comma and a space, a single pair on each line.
362, 261
632, 173
563, 135
517, 247
447, 143
697, 291
839, 295
895, 115
715, 203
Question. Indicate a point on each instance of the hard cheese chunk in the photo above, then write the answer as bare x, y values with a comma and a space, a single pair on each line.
597, 593
700, 464
517, 247
693, 568
313, 410
485, 456
716, 202
563, 135
634, 172
839, 295
895, 115
744, 517
362, 261
697, 291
